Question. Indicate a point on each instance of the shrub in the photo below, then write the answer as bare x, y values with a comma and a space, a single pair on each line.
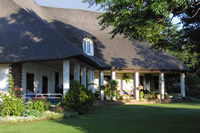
47, 105
11, 105
150, 95
31, 112
192, 81
58, 109
141, 95
14, 90
166, 95
78, 98
97, 95
52, 115
146, 91
39, 104
110, 89
11, 84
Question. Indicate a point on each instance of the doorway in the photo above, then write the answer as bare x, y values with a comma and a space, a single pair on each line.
29, 83
44, 84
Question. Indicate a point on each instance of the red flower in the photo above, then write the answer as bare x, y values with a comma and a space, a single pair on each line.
43, 97
35, 98
21, 89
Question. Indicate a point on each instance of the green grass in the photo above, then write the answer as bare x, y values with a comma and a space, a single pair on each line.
152, 118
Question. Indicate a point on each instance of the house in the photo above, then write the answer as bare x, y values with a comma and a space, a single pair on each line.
45, 48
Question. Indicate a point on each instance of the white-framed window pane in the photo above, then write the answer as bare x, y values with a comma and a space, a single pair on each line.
84, 46
88, 47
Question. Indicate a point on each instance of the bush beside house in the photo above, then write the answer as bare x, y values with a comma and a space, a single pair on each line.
78, 98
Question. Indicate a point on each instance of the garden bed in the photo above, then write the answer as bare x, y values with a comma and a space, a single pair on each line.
47, 115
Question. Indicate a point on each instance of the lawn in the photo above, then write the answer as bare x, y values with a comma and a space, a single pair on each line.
152, 118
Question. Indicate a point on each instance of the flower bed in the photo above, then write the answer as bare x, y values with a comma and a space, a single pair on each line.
47, 115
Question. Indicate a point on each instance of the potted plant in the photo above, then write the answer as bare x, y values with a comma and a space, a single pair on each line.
158, 96
126, 78
110, 89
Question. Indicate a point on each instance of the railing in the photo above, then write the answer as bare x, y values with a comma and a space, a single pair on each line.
49, 95
52, 97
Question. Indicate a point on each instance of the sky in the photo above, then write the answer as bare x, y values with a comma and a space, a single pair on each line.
74, 4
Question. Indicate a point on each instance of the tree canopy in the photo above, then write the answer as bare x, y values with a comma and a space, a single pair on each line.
139, 19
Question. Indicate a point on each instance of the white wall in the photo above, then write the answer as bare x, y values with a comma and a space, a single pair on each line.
128, 85
4, 77
119, 77
39, 71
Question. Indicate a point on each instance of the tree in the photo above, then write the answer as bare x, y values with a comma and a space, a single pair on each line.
174, 42
190, 19
138, 19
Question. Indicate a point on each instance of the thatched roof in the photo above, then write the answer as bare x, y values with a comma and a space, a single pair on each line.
51, 33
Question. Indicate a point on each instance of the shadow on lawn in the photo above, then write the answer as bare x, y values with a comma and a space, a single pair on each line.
155, 118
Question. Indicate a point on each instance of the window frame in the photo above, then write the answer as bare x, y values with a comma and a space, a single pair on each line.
88, 46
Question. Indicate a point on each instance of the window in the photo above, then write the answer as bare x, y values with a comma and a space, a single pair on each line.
88, 46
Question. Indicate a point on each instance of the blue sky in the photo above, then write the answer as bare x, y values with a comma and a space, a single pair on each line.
74, 4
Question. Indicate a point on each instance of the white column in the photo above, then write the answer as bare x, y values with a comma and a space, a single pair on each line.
77, 72
113, 75
182, 79
144, 83
89, 74
92, 72
83, 76
162, 85
137, 93
66, 76
101, 84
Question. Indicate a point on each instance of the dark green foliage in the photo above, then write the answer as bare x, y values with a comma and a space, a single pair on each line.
97, 95
31, 112
78, 98
149, 95
11, 85
166, 95
59, 110
141, 95
12, 106
12, 89
193, 83
191, 29
110, 89
39, 104
174, 42
47, 105
138, 19
126, 78
146, 92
